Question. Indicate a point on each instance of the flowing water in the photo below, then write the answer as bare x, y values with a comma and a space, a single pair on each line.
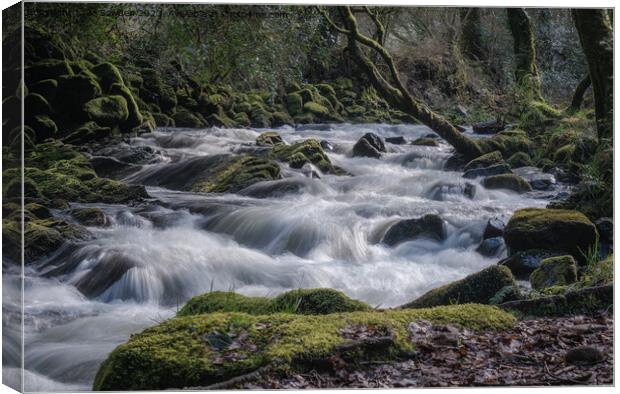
88, 298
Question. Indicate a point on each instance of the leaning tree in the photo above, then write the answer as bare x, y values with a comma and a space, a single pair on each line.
388, 84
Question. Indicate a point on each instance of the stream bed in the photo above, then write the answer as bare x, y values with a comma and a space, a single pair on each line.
303, 231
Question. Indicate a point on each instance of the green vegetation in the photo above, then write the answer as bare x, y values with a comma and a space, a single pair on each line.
239, 173
554, 271
204, 349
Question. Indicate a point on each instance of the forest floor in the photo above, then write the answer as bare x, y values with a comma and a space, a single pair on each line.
576, 350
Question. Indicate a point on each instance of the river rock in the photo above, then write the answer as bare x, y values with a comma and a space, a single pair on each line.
440, 191
90, 216
326, 145
425, 142
109, 269
428, 226
605, 228
486, 160
554, 271
507, 181
110, 167
497, 169
535, 177
370, 145
489, 127
269, 138
494, 228
550, 229
523, 263
273, 189
400, 140
491, 247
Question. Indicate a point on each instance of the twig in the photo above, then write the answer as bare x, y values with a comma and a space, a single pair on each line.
582, 379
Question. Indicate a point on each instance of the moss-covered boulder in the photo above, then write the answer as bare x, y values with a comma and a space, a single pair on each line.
554, 271
237, 173
428, 226
185, 118
507, 181
269, 138
475, 288
108, 74
226, 301
46, 88
564, 154
89, 216
484, 161
281, 118
107, 111
46, 69
163, 120
242, 119
317, 109
551, 229
87, 132
74, 91
316, 302
35, 104
294, 104
300, 153
200, 350
44, 127
508, 142
519, 159
134, 117
260, 117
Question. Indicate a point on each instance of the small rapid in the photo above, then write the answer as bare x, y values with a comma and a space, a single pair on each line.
297, 232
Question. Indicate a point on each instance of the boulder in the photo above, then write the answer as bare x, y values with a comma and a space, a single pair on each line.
494, 228
554, 271
489, 127
476, 288
605, 228
108, 74
523, 263
107, 111
400, 140
537, 179
496, 169
134, 118
519, 159
441, 190
507, 181
551, 229
425, 142
428, 226
317, 302
89, 216
269, 138
294, 104
486, 160
184, 118
300, 153
491, 247
370, 145
75, 90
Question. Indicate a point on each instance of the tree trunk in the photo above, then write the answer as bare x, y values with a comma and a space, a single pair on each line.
580, 91
526, 72
392, 89
470, 39
596, 37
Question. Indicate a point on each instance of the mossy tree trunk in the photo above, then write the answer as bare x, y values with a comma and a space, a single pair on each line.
596, 37
526, 71
470, 38
580, 91
390, 86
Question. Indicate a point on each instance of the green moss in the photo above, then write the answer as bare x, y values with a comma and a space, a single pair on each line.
163, 120
269, 138
280, 118
242, 119
46, 88
198, 350
520, 159
86, 132
554, 271
35, 104
294, 104
223, 301
238, 173
108, 74
242, 107
184, 118
107, 111
89, 216
564, 154
134, 118
550, 229
260, 117
479, 288
47, 69
43, 126
486, 160
507, 181
305, 118
508, 142
308, 151
316, 109
425, 142
316, 302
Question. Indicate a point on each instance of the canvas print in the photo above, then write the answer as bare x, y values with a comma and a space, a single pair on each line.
222, 196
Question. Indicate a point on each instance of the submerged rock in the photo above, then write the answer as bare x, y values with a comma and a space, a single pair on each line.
90, 216
428, 226
441, 190
550, 229
491, 247
554, 271
496, 169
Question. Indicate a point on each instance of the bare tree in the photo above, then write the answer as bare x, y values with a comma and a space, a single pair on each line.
390, 86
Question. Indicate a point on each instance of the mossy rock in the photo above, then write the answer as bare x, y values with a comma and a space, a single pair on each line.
355, 110
260, 118
46, 88
294, 104
47, 69
134, 118
486, 160
508, 142
316, 109
108, 74
520, 159
225, 301
35, 104
200, 350
87, 132
43, 126
475, 288
564, 154
163, 120
280, 118
221, 120
242, 107
317, 302
305, 118
554, 271
308, 151
425, 142
242, 119
269, 138
507, 181
185, 118
107, 111
550, 229
237, 173
89, 216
